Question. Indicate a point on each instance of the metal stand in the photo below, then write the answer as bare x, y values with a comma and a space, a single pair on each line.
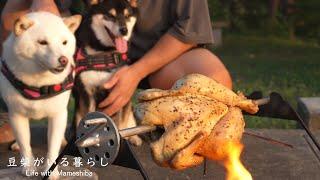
127, 158
277, 107
100, 141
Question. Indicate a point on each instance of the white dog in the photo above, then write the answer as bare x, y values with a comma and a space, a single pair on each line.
36, 78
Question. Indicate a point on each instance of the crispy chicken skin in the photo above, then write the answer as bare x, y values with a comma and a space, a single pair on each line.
198, 114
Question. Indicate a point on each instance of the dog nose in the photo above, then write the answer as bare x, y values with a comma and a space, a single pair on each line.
124, 31
63, 60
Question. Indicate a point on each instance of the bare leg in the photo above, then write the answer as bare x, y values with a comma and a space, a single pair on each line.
199, 61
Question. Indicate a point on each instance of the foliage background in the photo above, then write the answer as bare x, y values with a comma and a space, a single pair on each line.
268, 51
260, 16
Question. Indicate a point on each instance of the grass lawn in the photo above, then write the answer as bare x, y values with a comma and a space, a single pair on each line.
270, 64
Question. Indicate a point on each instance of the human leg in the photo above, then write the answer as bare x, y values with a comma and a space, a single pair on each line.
200, 61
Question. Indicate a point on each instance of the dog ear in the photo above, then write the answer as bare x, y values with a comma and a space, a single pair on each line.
133, 3
73, 22
22, 24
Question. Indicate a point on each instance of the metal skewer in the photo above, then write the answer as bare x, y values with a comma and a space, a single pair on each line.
262, 101
93, 140
136, 130
95, 121
270, 140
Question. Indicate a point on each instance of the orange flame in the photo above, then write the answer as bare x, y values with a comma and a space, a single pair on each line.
232, 163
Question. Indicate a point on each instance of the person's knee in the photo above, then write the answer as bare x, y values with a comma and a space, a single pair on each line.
11, 11
223, 77
213, 67
201, 61
5, 22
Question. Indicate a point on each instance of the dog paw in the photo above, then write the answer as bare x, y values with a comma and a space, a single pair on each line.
135, 140
14, 146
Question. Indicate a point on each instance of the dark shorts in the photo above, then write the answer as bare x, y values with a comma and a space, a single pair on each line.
63, 5
144, 83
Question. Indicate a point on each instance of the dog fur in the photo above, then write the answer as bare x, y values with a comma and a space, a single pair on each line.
31, 52
93, 35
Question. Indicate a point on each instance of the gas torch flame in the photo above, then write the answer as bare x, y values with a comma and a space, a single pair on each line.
232, 163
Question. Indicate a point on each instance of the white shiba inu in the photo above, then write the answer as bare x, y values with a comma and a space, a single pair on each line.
37, 76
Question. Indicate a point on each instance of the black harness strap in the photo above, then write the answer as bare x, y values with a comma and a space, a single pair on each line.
35, 93
100, 62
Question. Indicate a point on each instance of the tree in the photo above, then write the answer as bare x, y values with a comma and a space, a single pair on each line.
273, 11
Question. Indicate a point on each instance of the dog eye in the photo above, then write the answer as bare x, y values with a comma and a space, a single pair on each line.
127, 13
112, 12
43, 42
65, 42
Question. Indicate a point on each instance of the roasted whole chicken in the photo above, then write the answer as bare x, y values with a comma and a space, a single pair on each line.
199, 116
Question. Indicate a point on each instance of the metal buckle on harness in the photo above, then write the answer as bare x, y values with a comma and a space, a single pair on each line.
116, 58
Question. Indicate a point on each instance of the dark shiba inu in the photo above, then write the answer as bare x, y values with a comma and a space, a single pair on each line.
102, 41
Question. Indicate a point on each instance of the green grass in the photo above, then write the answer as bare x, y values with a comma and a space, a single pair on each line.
272, 64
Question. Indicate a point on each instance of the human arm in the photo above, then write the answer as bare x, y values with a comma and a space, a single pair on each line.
44, 5
167, 49
125, 81
16, 8
190, 25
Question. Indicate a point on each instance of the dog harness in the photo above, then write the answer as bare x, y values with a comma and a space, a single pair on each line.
100, 62
35, 93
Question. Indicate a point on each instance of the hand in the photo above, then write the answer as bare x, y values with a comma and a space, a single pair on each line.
123, 84
45, 5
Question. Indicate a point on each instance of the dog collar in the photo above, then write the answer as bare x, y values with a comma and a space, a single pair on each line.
100, 62
35, 93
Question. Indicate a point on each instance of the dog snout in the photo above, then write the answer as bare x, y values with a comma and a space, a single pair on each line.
63, 61
124, 31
